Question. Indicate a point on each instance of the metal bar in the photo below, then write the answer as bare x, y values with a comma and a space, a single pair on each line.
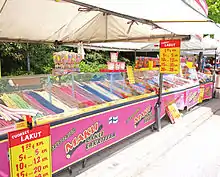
213, 91
132, 39
28, 59
94, 8
182, 21
158, 104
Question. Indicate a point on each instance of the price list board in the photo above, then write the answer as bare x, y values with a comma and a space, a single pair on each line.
30, 152
170, 56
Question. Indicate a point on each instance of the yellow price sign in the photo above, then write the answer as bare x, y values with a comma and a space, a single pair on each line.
130, 74
201, 94
30, 152
170, 56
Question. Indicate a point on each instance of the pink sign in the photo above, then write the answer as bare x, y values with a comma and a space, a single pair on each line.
74, 141
192, 97
208, 90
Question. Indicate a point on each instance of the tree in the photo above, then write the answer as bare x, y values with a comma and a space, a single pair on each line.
214, 10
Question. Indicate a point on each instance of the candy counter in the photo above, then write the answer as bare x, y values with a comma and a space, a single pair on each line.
87, 112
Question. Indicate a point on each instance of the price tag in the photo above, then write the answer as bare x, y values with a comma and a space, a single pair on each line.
30, 152
170, 56
130, 74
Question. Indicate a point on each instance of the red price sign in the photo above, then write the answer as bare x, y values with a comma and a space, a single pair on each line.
170, 56
30, 152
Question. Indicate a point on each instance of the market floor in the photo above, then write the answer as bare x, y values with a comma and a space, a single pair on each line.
189, 148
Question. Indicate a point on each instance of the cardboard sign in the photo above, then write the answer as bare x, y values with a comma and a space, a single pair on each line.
170, 56
173, 112
30, 152
201, 94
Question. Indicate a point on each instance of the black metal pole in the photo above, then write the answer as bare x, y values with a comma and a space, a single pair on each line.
28, 60
213, 77
158, 104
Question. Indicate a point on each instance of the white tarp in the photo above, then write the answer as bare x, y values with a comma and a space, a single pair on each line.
195, 43
156, 10
48, 20
162, 12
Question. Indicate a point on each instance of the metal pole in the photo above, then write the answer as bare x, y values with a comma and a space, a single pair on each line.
73, 85
213, 77
28, 60
158, 104
49, 86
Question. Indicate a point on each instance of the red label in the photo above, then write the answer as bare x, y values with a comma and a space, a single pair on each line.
26, 135
169, 43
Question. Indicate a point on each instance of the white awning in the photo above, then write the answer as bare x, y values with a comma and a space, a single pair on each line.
48, 21
174, 15
155, 10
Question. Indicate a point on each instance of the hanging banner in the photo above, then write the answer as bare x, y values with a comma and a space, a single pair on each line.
170, 56
30, 152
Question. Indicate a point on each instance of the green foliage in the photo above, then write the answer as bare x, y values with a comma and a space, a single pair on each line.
14, 58
214, 10
91, 67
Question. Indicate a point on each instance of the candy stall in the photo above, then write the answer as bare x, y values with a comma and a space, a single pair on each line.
88, 112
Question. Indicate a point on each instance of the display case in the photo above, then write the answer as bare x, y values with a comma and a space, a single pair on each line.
86, 111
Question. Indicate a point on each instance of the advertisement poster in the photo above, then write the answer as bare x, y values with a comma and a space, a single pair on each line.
170, 56
201, 93
192, 97
74, 141
208, 90
30, 152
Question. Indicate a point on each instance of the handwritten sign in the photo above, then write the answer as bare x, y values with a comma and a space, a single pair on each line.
130, 74
30, 152
170, 56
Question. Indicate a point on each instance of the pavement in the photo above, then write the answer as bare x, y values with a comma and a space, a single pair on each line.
188, 148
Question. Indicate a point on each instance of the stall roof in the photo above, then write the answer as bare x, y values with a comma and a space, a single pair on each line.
174, 15
48, 21
195, 43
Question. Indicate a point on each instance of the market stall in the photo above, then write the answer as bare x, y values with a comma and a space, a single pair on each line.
82, 113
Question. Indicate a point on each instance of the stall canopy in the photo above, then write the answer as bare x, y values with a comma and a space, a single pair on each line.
194, 44
178, 16
49, 21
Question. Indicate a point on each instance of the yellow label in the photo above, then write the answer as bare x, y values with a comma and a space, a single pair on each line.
130, 74
170, 60
173, 112
201, 95
21, 125
151, 65
189, 64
